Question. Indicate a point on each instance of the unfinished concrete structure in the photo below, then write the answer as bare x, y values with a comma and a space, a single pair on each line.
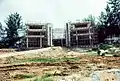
81, 34
38, 35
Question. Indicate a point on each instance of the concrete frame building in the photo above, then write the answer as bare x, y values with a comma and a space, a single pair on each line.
78, 34
38, 35
81, 34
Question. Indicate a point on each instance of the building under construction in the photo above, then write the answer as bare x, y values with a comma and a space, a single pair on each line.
38, 35
81, 34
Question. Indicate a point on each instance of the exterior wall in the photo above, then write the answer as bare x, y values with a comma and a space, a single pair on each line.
80, 34
38, 35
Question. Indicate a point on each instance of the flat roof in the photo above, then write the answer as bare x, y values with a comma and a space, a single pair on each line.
36, 24
80, 23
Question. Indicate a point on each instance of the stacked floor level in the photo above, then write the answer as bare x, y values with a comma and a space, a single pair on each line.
81, 34
39, 35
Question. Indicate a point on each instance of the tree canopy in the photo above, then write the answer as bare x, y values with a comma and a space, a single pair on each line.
14, 24
109, 21
90, 18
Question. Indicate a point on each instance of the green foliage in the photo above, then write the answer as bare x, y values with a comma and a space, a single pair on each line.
0, 26
90, 18
117, 45
14, 25
105, 46
90, 50
111, 16
37, 79
1, 31
45, 77
41, 79
109, 21
23, 76
102, 20
94, 49
49, 60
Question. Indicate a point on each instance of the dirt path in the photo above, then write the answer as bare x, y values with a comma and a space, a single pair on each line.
2, 55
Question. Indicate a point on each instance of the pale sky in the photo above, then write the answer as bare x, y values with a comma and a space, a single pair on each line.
57, 12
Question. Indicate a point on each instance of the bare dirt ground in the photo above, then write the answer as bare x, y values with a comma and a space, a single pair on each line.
12, 68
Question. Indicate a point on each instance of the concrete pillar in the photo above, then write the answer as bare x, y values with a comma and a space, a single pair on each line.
68, 36
66, 33
40, 42
90, 35
27, 37
49, 34
77, 38
62, 42
27, 42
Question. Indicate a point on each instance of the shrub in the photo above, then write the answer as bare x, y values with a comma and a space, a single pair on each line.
116, 55
117, 45
45, 77
105, 46
23, 76
94, 49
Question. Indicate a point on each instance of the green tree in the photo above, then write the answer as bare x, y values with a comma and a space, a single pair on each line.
109, 21
14, 24
0, 25
2, 31
90, 18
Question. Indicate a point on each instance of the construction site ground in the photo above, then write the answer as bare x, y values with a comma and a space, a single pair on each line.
54, 64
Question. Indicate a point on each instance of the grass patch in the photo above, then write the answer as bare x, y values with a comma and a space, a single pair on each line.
45, 77
49, 60
23, 76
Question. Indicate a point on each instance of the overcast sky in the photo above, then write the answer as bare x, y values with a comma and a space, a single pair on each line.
53, 11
